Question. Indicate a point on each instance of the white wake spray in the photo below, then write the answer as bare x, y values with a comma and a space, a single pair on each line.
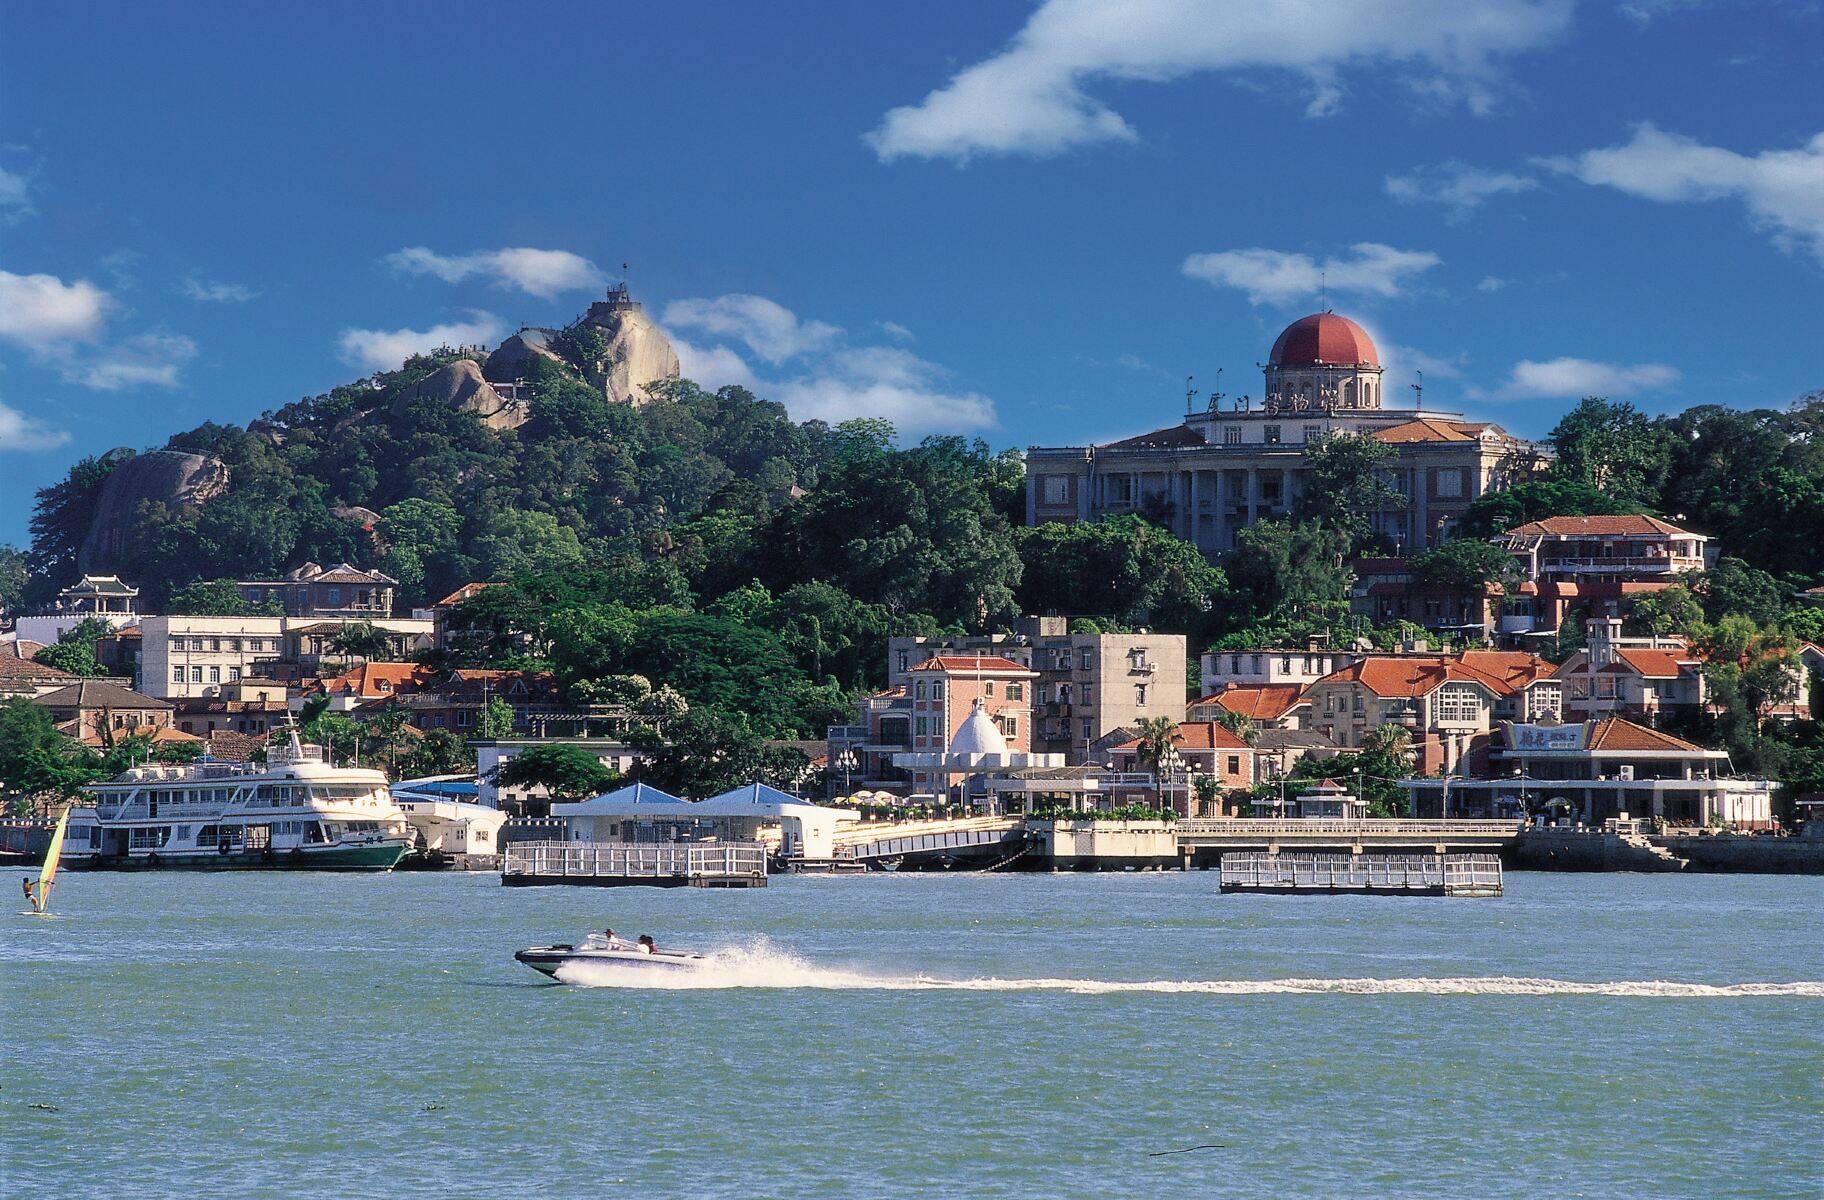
763, 966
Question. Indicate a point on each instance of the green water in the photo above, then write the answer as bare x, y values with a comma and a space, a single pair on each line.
288, 1036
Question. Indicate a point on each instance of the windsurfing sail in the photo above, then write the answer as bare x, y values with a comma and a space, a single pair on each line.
41, 895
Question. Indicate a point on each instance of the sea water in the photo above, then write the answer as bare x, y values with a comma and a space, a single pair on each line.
940, 1035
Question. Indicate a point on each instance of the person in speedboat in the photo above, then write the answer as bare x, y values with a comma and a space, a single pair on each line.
646, 944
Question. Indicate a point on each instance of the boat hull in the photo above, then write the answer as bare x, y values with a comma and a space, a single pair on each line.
548, 960
383, 856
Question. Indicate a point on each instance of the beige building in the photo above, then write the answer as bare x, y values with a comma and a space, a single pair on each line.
198, 656
1225, 468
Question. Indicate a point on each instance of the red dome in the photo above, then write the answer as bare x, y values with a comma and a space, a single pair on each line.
1323, 339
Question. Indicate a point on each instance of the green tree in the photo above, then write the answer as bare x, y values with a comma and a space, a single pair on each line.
359, 639
1497, 512
705, 753
1280, 567
566, 773
12, 578
219, 598
1346, 484
1467, 563
74, 650
495, 720
1124, 571
1613, 446
36, 760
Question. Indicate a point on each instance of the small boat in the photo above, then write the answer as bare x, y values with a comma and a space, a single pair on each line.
599, 950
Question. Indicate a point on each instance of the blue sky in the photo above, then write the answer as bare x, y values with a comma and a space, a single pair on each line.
1026, 221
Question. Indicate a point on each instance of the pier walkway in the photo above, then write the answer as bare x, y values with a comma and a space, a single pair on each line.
1367, 874
1219, 836
971, 836
622, 864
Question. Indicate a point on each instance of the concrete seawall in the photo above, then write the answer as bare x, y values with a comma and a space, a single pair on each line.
1567, 850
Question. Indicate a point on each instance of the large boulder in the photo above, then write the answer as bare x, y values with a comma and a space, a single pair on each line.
639, 355
509, 363
178, 480
460, 385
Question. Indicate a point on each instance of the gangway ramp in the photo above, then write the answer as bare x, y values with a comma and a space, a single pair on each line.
973, 837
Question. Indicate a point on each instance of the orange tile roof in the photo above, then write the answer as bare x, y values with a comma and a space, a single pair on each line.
466, 592
1391, 676
1613, 733
1601, 526
969, 664
1512, 669
377, 679
1258, 702
1653, 664
1431, 429
1198, 735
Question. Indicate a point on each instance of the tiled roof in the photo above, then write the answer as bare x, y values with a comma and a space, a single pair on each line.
14, 667
234, 747
377, 679
467, 591
969, 664
1432, 429
1602, 526
1391, 676
1513, 669
1198, 735
1259, 702
1175, 435
1613, 733
99, 693
1653, 664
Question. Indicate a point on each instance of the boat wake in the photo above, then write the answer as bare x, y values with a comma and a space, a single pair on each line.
763, 966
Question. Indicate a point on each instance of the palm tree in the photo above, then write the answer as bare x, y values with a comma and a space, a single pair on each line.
1241, 725
1158, 740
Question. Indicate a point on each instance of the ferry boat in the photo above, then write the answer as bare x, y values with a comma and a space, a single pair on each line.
297, 812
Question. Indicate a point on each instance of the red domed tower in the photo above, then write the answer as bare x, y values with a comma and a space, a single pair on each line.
1323, 362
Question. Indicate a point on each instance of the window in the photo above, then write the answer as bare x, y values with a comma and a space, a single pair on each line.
1089, 730
1016, 691
1140, 694
924, 726
1231, 435
1458, 706
1010, 726
1449, 482
1085, 659
1055, 489
177, 674
234, 673
234, 645
1234, 764
903, 657
1271, 433
918, 690
1358, 702
988, 687
1313, 432
196, 674
335, 595
215, 674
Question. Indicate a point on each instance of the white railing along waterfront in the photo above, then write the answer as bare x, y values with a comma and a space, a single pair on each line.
633, 860
1216, 826
1366, 872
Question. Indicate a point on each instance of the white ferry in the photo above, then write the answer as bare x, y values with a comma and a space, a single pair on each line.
298, 812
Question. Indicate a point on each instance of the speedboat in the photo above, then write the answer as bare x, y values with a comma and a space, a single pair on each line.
599, 950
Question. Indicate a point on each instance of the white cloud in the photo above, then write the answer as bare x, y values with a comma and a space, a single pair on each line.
1490, 283
541, 273
1280, 277
387, 349
895, 329
144, 360
1783, 190
815, 374
42, 311
15, 194
1574, 378
218, 293
766, 327
1457, 186
19, 432
712, 366
1031, 97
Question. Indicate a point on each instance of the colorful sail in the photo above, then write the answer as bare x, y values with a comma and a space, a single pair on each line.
41, 896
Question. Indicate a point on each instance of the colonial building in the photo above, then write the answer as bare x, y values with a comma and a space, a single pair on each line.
1599, 562
1226, 467
1639, 677
1600, 770
198, 656
314, 591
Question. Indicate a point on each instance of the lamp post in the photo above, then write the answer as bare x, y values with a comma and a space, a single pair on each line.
846, 760
1170, 764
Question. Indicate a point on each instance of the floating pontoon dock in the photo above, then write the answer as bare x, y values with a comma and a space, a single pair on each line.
1367, 874
622, 864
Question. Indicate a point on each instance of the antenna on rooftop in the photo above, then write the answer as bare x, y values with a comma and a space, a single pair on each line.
1216, 393
1323, 289
1418, 390
1190, 394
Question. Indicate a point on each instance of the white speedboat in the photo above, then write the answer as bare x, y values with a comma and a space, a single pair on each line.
618, 954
